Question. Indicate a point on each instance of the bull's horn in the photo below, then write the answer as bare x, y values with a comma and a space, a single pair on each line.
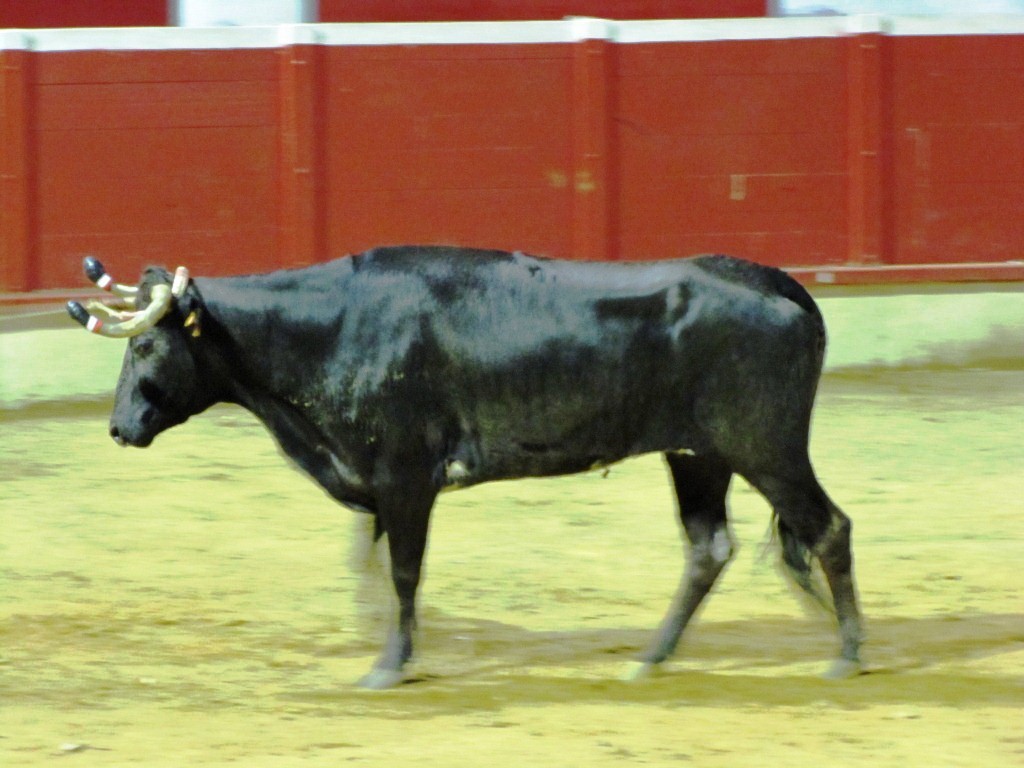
107, 313
180, 282
95, 271
135, 322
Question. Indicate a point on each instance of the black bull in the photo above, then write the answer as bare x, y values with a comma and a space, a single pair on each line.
392, 375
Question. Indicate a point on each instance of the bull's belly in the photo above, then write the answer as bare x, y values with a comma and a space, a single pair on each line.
509, 459
564, 424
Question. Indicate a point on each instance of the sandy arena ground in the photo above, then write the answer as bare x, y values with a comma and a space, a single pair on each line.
189, 605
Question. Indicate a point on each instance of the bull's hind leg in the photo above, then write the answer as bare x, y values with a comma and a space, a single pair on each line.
701, 485
812, 526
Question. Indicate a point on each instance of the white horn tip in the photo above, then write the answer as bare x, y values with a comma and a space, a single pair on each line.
180, 282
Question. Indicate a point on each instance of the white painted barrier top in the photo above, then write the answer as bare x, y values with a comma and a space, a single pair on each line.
504, 32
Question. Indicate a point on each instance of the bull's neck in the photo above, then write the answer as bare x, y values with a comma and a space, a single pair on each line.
274, 341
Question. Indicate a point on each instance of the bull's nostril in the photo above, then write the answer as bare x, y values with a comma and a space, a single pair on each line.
116, 434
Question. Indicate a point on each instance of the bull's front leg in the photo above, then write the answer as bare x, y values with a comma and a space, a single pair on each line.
403, 508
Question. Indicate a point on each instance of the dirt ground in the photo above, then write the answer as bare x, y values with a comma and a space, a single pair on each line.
190, 604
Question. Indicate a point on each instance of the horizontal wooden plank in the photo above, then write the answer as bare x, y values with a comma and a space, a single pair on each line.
102, 156
449, 125
734, 104
694, 149
970, 222
346, 55
378, 91
915, 274
523, 219
650, 158
158, 195
159, 66
725, 221
155, 203
783, 201
487, 168
730, 57
999, 197
951, 97
978, 153
156, 105
774, 248
915, 56
499, 130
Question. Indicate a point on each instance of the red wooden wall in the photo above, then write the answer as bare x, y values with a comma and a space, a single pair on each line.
847, 157
30, 14
524, 10
958, 148
736, 146
458, 144
148, 155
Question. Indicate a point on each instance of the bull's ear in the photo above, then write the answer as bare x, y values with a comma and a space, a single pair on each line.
191, 309
194, 324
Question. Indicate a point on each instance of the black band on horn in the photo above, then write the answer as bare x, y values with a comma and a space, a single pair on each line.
81, 315
94, 270
97, 273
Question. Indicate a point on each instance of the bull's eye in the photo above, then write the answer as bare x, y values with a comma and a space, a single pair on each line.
152, 393
143, 347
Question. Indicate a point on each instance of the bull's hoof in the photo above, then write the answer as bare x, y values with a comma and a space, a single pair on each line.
843, 669
640, 670
381, 679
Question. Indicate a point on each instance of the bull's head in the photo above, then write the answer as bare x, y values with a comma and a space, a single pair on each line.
160, 385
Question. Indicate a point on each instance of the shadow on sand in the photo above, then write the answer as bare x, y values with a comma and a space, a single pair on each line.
928, 661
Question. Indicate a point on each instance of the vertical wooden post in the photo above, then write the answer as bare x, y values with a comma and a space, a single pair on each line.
300, 207
593, 164
18, 268
868, 161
